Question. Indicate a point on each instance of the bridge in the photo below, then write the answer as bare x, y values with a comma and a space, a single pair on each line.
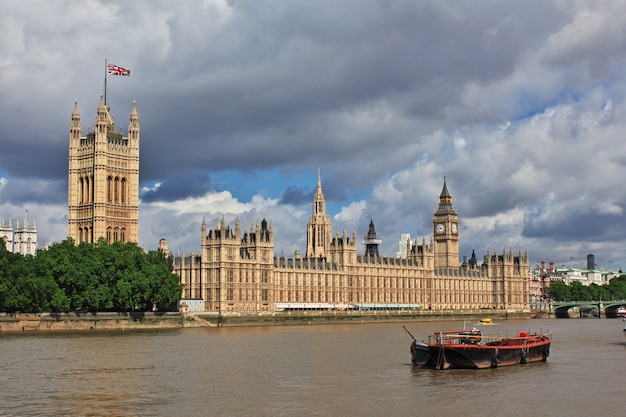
588, 308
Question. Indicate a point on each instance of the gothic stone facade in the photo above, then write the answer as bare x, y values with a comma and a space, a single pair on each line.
19, 239
237, 271
103, 183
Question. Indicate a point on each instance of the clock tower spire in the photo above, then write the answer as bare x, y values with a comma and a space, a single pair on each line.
446, 231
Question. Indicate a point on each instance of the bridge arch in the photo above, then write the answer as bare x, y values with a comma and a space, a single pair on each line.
563, 309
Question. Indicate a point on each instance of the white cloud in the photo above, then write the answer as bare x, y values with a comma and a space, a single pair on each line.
221, 202
154, 187
351, 214
510, 220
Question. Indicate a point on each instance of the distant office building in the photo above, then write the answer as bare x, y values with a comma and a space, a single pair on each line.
591, 262
19, 239
103, 186
404, 245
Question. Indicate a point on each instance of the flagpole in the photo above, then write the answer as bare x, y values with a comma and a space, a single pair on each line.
105, 81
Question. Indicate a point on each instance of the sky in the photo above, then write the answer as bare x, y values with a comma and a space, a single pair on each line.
520, 105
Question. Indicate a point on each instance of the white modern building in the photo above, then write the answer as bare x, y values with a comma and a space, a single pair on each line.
403, 245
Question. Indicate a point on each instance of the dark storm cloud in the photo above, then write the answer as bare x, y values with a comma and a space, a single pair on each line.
297, 195
23, 192
174, 188
258, 102
248, 90
591, 226
33, 160
519, 104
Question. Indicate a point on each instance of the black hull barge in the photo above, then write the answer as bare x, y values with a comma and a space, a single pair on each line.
469, 349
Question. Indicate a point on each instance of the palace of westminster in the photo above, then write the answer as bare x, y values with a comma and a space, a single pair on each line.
237, 270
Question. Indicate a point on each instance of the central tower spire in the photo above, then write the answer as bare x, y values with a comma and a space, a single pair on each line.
319, 229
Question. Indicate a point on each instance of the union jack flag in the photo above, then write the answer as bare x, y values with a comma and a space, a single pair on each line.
115, 70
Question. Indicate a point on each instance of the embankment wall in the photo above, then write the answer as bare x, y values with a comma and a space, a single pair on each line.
57, 322
51, 322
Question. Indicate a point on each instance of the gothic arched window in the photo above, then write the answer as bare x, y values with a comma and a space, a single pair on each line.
109, 189
86, 199
117, 189
81, 191
123, 190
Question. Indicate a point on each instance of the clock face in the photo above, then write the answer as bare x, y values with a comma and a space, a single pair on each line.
441, 228
454, 230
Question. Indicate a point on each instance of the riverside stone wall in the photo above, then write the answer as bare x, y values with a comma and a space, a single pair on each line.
230, 319
52, 322
59, 322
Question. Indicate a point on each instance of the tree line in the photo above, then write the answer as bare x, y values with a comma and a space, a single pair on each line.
86, 278
576, 291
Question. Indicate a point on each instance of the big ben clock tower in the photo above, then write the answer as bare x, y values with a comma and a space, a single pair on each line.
446, 231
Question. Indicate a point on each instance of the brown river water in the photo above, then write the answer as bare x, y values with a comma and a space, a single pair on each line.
319, 370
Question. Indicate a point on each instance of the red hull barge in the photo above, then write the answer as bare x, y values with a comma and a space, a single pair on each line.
469, 349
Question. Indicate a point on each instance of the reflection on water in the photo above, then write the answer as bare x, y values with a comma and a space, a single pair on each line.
321, 370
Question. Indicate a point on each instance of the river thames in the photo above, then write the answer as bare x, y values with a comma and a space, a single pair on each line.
318, 370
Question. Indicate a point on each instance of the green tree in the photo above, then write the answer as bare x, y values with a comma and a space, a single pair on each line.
617, 288
103, 277
165, 285
578, 292
559, 291
25, 289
